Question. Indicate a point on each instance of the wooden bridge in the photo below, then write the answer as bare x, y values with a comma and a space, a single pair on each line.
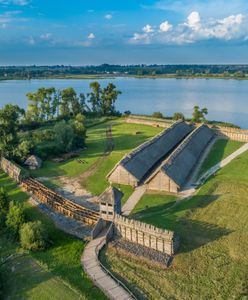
58, 203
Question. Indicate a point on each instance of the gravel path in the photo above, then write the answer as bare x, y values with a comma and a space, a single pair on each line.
133, 200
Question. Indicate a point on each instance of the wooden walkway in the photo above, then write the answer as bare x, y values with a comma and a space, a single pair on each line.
100, 277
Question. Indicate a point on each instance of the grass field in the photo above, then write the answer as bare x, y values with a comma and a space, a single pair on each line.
213, 259
98, 165
57, 269
220, 150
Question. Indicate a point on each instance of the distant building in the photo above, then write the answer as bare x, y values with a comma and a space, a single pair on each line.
173, 173
135, 167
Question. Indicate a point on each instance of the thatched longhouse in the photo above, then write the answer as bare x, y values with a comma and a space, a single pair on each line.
137, 165
173, 173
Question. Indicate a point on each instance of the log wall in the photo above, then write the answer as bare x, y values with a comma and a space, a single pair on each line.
122, 176
11, 169
161, 182
235, 134
146, 235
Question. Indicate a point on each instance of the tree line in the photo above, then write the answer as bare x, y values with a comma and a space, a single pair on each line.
154, 69
64, 111
198, 115
50, 103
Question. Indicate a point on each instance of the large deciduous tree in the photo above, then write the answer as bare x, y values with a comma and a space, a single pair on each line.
9, 121
198, 115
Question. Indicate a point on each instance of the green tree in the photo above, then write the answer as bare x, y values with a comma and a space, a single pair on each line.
108, 98
23, 150
33, 111
4, 207
9, 124
79, 131
95, 96
63, 135
157, 115
33, 236
198, 115
178, 116
15, 218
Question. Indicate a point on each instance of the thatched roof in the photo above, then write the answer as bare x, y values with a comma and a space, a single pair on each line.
144, 158
180, 163
33, 162
111, 196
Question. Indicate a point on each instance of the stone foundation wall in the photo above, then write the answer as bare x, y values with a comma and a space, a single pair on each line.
146, 235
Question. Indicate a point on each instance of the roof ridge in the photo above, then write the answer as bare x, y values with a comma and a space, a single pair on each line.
168, 162
151, 141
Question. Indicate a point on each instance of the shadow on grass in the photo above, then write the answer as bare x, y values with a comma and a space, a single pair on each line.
215, 156
193, 234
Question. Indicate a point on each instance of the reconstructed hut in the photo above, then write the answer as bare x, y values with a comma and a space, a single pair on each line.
33, 162
110, 203
137, 165
173, 173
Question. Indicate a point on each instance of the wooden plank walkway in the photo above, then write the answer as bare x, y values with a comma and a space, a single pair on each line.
101, 279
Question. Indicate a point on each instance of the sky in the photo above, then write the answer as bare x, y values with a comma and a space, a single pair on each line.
86, 32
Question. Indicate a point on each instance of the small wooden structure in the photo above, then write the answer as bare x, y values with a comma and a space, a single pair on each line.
33, 162
110, 203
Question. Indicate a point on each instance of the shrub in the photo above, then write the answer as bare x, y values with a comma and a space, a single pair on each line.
15, 219
33, 236
178, 116
157, 115
4, 207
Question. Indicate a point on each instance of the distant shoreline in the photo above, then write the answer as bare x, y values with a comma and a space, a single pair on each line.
114, 76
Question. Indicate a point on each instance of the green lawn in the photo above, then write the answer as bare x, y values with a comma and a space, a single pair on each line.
152, 205
213, 259
96, 164
59, 266
220, 150
126, 190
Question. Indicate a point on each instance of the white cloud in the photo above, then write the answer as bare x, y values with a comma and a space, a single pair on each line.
15, 2
91, 36
194, 29
46, 36
165, 26
140, 38
3, 26
108, 17
148, 28
194, 20
31, 41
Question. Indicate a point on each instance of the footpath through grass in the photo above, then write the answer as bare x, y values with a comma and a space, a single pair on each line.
97, 166
213, 259
220, 150
55, 273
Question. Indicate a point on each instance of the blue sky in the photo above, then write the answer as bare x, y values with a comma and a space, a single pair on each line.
80, 32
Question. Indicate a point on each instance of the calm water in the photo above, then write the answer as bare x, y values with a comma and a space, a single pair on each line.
226, 99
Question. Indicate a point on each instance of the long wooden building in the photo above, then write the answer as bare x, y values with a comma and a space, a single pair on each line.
174, 172
135, 167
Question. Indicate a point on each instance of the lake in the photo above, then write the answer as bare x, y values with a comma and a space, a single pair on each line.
226, 100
